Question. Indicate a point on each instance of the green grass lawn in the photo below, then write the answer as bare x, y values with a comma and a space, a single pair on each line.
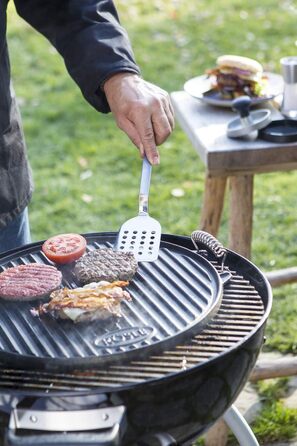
86, 171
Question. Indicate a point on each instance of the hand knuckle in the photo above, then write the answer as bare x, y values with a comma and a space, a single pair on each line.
148, 134
156, 102
160, 139
163, 135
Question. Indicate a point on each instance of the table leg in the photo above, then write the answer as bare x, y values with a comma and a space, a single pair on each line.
213, 203
241, 214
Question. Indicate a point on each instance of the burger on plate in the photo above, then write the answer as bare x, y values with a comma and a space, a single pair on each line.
237, 75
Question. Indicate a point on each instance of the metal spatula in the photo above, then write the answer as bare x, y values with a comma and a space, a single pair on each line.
141, 235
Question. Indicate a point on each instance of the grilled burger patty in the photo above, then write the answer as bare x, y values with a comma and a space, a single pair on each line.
105, 264
28, 282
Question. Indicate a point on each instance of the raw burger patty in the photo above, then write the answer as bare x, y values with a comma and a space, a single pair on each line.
28, 282
105, 264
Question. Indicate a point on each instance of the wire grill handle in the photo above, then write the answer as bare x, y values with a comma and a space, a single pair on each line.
210, 243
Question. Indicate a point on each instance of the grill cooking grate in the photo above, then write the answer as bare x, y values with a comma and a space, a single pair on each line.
240, 312
171, 297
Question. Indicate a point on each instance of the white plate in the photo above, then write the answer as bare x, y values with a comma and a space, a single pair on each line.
200, 87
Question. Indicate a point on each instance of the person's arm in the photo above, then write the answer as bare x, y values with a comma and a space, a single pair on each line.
88, 35
98, 56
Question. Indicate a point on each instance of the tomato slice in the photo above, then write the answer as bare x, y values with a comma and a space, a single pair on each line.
64, 248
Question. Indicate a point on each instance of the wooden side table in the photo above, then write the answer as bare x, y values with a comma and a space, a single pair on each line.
235, 160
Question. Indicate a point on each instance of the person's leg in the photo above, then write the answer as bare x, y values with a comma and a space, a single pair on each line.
16, 233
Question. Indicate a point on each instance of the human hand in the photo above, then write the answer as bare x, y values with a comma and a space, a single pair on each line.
142, 110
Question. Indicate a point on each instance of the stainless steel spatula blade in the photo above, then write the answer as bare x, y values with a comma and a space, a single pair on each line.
142, 234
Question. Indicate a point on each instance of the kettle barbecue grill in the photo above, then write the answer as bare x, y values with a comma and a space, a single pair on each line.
162, 375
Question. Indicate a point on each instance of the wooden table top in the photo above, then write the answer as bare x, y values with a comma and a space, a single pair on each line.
206, 128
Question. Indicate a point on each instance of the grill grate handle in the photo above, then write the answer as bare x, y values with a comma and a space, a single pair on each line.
211, 244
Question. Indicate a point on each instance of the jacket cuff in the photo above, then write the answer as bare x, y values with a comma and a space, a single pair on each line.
98, 98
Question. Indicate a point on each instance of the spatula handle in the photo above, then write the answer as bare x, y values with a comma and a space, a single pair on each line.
144, 186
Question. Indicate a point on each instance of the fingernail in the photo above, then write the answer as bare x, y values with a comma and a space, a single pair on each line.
156, 159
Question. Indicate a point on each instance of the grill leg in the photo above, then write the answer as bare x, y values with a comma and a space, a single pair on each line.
240, 427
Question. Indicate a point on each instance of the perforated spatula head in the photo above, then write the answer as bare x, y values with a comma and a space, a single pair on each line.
142, 234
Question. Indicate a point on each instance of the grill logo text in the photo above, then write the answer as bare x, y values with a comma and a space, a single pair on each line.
123, 337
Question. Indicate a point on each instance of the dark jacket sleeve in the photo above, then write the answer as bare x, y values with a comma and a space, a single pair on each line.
88, 35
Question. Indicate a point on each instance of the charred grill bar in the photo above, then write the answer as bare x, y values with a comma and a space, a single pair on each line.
182, 389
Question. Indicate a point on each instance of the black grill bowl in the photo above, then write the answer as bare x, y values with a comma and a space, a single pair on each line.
183, 403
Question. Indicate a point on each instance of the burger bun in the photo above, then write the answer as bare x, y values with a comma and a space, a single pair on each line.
247, 68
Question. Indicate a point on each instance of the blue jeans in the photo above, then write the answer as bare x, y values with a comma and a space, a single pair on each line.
16, 233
